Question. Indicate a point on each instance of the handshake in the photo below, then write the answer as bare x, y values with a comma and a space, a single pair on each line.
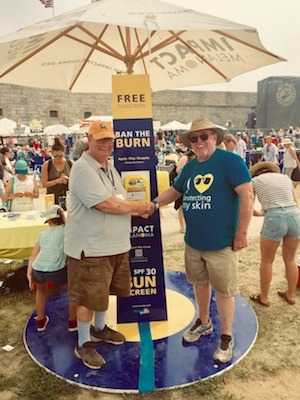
144, 210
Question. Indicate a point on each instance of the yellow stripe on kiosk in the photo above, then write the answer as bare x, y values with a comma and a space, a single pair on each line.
131, 97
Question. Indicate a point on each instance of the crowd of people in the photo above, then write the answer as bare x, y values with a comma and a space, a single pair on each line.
213, 187
23, 169
251, 145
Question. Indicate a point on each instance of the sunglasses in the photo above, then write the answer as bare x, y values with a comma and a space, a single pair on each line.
203, 136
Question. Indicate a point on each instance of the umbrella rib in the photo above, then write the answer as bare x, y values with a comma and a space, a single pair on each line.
201, 57
96, 47
122, 40
33, 53
100, 41
128, 41
161, 45
87, 59
140, 49
249, 45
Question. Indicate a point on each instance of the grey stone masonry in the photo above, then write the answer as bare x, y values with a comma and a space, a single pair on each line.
24, 104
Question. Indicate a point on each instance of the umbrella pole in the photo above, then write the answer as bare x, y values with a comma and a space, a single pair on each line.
129, 65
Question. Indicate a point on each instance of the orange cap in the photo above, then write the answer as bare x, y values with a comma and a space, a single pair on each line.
101, 130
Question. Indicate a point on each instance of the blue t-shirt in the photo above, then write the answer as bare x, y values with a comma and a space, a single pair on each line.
51, 256
210, 204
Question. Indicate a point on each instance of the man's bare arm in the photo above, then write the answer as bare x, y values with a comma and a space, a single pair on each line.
246, 196
168, 196
114, 205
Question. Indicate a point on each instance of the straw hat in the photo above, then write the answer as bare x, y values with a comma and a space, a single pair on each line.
286, 141
262, 167
199, 125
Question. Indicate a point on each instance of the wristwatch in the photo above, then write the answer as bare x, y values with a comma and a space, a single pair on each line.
155, 203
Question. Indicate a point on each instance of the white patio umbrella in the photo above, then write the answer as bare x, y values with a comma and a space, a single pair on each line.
58, 129
7, 127
178, 47
174, 126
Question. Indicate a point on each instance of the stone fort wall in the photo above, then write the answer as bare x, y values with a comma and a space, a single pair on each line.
24, 104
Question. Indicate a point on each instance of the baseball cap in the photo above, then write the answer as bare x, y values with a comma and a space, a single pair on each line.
51, 212
21, 167
101, 130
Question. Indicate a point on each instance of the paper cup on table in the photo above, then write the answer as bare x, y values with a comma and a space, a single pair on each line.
49, 200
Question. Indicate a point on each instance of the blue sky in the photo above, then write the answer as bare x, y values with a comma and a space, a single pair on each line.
277, 23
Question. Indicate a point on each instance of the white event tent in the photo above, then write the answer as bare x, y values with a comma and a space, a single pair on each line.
174, 126
58, 129
7, 127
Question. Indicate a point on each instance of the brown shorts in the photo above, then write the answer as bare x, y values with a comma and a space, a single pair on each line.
92, 279
218, 267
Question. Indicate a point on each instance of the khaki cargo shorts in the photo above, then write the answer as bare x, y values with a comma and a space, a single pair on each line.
219, 267
92, 279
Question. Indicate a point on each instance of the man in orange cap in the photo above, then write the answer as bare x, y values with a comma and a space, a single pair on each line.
97, 241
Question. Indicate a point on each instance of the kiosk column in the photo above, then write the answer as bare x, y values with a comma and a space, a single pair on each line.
134, 157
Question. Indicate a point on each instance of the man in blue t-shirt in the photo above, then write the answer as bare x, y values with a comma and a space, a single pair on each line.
217, 205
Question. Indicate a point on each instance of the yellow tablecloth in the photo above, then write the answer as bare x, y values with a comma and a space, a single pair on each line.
19, 232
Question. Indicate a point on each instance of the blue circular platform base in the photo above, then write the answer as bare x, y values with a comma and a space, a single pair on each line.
176, 364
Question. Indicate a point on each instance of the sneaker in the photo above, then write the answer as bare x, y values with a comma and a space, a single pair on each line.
72, 325
198, 330
224, 351
107, 335
41, 324
89, 356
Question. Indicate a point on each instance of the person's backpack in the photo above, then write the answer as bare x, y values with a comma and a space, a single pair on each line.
14, 281
295, 176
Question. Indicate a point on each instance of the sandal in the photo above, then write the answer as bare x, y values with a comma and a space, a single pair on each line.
284, 296
256, 299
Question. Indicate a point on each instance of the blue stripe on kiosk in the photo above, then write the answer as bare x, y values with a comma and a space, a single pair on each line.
146, 370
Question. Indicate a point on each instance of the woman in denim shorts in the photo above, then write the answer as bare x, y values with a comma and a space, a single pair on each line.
281, 213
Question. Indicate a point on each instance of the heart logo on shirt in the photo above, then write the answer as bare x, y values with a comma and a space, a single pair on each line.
203, 182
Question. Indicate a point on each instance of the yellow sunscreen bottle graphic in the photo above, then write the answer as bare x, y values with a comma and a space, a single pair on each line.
137, 188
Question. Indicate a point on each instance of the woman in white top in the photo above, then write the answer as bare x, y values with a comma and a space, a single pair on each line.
281, 214
6, 155
21, 189
290, 160
2, 191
